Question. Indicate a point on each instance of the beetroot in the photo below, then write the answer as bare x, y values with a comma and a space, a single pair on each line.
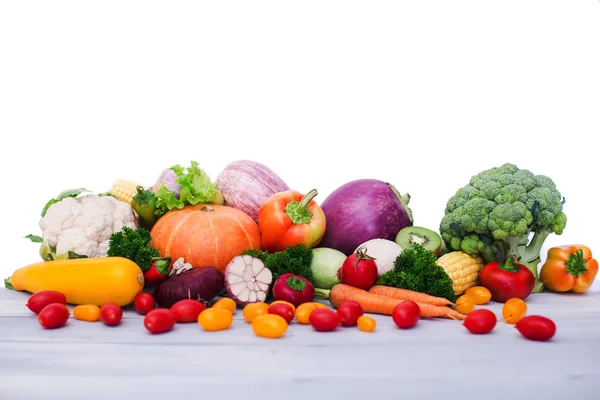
202, 283
362, 210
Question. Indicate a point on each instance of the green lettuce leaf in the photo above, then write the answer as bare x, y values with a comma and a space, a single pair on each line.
34, 238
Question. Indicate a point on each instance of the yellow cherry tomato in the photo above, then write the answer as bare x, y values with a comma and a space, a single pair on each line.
513, 310
303, 312
479, 294
285, 302
270, 326
215, 319
253, 310
366, 323
464, 304
87, 312
226, 303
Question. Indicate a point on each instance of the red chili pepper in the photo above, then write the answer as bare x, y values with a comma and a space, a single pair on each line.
159, 270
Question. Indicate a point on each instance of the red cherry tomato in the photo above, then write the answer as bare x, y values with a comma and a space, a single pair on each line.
187, 310
324, 320
480, 321
536, 327
144, 303
41, 299
111, 313
160, 320
53, 316
406, 314
349, 312
283, 310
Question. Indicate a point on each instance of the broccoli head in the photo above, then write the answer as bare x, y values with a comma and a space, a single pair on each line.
495, 214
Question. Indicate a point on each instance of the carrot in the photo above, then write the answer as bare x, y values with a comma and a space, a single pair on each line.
379, 304
405, 294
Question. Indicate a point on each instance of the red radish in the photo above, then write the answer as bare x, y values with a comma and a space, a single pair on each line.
41, 299
111, 313
359, 270
144, 303
283, 310
294, 289
536, 327
480, 321
324, 320
349, 312
187, 310
247, 280
406, 314
53, 316
160, 320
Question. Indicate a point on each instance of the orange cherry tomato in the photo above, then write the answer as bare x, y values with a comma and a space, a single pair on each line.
303, 312
226, 303
215, 319
366, 323
514, 310
270, 326
87, 312
253, 310
479, 294
284, 302
464, 304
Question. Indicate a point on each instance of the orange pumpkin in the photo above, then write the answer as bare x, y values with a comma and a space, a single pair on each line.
205, 235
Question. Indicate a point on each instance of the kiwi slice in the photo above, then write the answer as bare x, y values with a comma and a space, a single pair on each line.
427, 238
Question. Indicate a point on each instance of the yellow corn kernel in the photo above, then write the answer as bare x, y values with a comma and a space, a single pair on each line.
123, 190
462, 268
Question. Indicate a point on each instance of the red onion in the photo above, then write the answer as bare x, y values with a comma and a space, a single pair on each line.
202, 283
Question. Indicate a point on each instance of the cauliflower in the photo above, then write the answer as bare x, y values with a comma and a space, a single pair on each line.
84, 225
495, 214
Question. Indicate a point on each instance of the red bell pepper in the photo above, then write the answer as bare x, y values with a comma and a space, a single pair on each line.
507, 280
159, 270
288, 219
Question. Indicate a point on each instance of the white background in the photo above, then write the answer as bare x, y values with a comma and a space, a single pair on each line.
423, 94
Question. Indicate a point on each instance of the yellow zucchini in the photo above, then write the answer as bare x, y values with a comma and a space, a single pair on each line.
83, 280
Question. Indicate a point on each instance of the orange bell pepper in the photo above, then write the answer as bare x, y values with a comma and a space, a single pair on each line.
288, 218
569, 268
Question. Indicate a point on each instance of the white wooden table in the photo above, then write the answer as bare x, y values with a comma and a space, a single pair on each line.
438, 359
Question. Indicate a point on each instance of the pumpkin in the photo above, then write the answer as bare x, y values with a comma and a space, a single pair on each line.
205, 235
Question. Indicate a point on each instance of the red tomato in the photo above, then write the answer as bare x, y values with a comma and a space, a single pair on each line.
536, 327
144, 303
53, 316
283, 310
359, 270
187, 310
406, 314
160, 320
480, 321
349, 312
39, 300
111, 313
324, 320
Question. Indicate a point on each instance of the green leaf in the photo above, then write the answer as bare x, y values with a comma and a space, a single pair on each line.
62, 195
71, 255
34, 238
8, 285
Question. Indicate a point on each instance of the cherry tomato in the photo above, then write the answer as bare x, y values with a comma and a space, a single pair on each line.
284, 302
464, 304
226, 303
111, 313
53, 316
187, 310
253, 310
304, 310
324, 320
513, 310
160, 320
269, 326
349, 312
480, 321
366, 323
536, 327
215, 319
87, 312
479, 294
144, 303
41, 299
283, 310
406, 314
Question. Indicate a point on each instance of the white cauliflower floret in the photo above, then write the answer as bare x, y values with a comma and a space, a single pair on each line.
84, 224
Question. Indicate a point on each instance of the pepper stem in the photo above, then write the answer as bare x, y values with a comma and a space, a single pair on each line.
509, 265
576, 264
298, 210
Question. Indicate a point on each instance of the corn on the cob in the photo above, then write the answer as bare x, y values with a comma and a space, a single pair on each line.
123, 190
462, 268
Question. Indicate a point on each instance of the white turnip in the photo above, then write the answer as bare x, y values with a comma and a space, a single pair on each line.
384, 252
247, 280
